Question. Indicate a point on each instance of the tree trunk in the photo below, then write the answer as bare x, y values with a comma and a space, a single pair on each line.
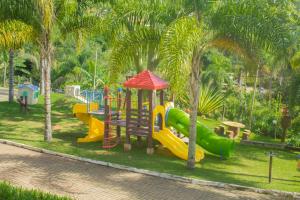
4, 75
46, 65
253, 98
270, 89
11, 76
194, 99
137, 63
240, 78
283, 135
151, 54
42, 77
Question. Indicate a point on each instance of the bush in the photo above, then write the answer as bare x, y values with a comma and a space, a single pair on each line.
263, 121
264, 115
236, 107
9, 192
295, 128
294, 140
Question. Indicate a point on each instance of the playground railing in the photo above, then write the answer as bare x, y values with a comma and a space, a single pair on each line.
92, 96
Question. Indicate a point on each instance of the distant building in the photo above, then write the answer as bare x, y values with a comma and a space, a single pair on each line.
72, 90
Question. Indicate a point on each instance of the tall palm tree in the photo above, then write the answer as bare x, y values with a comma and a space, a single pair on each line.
13, 35
44, 16
240, 26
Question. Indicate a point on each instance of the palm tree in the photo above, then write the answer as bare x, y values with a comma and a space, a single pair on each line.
240, 26
134, 30
44, 16
13, 35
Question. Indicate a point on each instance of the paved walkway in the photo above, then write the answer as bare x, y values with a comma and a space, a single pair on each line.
93, 182
3, 94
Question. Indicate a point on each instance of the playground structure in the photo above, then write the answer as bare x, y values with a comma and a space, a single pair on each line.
144, 119
28, 93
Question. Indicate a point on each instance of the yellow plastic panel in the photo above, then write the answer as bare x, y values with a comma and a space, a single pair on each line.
82, 107
176, 145
96, 127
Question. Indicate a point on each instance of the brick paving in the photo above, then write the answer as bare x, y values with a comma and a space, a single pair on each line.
87, 181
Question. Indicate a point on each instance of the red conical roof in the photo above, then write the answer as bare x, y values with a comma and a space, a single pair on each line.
146, 80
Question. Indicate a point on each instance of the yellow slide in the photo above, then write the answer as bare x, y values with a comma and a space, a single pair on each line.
169, 140
175, 144
96, 127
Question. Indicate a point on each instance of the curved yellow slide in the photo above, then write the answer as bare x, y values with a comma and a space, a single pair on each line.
175, 144
96, 127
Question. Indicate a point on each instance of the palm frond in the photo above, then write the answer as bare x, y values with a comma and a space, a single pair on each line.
14, 34
22, 10
295, 61
131, 45
235, 47
210, 99
255, 24
176, 50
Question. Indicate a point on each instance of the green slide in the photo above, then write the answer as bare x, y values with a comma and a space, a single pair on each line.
206, 138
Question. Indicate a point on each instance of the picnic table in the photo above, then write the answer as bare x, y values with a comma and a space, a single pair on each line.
234, 127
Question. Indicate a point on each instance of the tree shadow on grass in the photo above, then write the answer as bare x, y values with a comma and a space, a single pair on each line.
286, 156
137, 157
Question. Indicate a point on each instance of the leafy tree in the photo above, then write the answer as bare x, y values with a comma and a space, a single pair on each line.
13, 35
134, 30
44, 16
89, 60
217, 70
240, 26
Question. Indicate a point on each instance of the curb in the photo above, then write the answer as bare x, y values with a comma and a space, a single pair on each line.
226, 186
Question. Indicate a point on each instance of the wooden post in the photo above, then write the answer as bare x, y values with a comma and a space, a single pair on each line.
87, 102
127, 145
26, 104
119, 104
150, 149
106, 115
271, 155
162, 97
140, 108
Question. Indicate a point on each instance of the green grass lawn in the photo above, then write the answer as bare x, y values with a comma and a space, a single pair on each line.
248, 166
9, 192
263, 138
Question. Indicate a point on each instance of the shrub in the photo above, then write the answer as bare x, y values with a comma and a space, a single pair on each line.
294, 140
295, 128
265, 113
263, 121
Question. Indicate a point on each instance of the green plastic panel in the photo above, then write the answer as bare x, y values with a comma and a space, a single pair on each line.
206, 137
